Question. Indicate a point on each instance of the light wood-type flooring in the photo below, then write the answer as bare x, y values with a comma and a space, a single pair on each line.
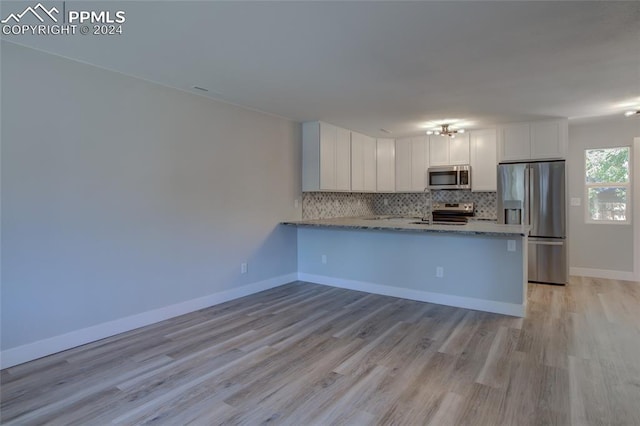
306, 354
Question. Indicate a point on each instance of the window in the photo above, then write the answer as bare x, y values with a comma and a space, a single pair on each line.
607, 185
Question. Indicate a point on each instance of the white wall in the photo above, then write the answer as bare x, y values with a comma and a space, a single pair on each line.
598, 249
120, 196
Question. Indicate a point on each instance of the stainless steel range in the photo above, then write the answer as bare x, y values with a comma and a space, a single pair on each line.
452, 213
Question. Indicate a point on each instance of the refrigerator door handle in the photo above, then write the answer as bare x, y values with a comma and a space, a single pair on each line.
532, 205
527, 196
546, 243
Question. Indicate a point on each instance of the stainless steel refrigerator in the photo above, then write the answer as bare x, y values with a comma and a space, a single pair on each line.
534, 194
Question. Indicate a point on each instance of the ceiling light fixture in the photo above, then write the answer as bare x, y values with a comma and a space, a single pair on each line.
445, 131
632, 112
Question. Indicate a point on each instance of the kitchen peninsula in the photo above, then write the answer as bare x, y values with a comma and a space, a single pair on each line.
479, 265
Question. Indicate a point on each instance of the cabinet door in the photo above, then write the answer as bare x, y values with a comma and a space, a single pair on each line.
328, 137
548, 139
459, 149
419, 163
357, 162
343, 160
386, 161
369, 163
483, 160
363, 163
439, 150
403, 164
515, 142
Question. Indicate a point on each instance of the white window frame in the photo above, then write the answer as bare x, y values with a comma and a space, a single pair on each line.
627, 186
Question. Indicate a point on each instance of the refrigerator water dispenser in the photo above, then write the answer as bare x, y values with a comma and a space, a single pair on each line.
512, 212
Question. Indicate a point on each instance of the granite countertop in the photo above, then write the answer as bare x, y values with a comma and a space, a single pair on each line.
398, 223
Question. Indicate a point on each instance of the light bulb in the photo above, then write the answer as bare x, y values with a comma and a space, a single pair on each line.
630, 113
429, 132
460, 130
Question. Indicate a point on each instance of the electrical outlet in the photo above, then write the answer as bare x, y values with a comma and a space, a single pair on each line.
439, 272
243, 268
511, 245
324, 259
576, 201
296, 203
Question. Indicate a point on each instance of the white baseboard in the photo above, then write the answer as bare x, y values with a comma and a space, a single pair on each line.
35, 350
513, 309
602, 273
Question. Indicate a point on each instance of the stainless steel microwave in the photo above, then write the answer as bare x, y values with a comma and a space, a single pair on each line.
449, 177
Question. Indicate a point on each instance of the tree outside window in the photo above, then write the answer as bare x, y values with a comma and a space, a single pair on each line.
607, 185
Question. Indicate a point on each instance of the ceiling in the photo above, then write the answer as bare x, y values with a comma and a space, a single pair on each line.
372, 65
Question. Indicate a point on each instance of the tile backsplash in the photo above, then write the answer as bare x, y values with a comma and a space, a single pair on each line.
324, 205
401, 204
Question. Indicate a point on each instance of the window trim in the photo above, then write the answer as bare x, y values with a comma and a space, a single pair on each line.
626, 185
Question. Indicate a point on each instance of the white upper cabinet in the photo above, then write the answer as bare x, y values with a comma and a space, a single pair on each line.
370, 165
539, 140
328, 136
419, 162
403, 164
357, 165
515, 142
412, 159
326, 157
446, 151
343, 160
386, 161
363, 163
459, 149
336, 159
549, 139
439, 150
483, 160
